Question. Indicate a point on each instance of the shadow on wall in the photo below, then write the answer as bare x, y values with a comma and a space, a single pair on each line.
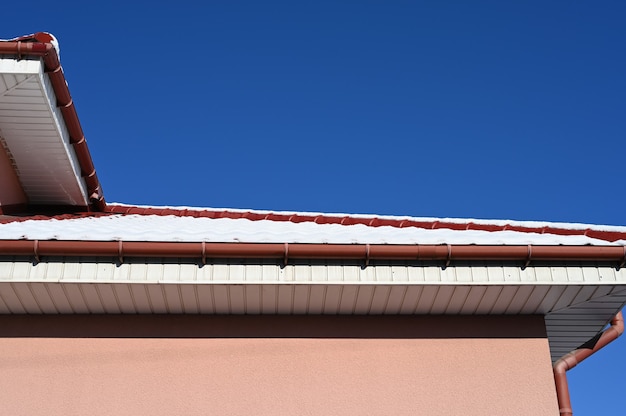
271, 326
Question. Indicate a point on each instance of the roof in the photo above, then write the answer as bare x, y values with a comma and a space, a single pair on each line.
188, 224
42, 144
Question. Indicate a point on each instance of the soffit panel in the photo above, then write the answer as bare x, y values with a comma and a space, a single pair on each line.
576, 301
33, 130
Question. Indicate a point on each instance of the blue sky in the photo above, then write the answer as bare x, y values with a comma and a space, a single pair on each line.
479, 109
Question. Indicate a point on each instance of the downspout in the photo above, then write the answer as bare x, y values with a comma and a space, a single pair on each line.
40, 45
573, 358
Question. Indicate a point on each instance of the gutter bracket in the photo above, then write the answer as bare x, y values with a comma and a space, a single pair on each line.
120, 252
530, 255
36, 251
286, 255
449, 258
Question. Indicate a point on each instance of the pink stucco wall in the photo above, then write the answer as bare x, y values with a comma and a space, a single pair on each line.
275, 366
11, 192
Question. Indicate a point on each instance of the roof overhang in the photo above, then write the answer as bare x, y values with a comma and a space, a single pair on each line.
40, 136
577, 289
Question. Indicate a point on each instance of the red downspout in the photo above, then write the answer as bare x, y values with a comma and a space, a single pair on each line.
40, 45
571, 359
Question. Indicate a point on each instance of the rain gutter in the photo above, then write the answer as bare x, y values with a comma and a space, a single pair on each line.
573, 358
287, 251
40, 45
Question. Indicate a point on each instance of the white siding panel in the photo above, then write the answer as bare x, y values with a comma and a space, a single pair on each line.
347, 301
458, 300
426, 300
189, 296
21, 271
567, 297
504, 300
527, 275
353, 274
91, 298
11, 300
6, 270
442, 299
416, 274
285, 299
535, 301
155, 298
269, 295
4, 308
463, 274
379, 299
236, 299
496, 274
331, 300
20, 66
21, 106
609, 275
519, 301
223, 299
253, 299
432, 274
398, 274
26, 298
172, 297
301, 297
42, 298
584, 294
108, 298
124, 298
488, 301
395, 301
75, 297
473, 300
480, 273
206, 298
410, 299
575, 274
361, 301
316, 299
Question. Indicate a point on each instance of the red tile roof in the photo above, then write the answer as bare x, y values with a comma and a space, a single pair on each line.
370, 221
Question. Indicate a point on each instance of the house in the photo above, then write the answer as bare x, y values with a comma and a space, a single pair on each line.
119, 309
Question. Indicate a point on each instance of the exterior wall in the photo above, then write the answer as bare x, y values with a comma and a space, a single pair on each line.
11, 192
280, 365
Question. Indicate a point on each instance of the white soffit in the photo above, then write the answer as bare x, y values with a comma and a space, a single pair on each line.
34, 134
577, 301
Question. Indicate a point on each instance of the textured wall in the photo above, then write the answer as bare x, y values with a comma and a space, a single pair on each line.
162, 365
11, 192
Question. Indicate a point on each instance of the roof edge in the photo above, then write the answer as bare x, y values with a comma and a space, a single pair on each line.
43, 45
286, 251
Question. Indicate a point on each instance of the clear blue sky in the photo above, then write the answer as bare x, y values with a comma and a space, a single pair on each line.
429, 108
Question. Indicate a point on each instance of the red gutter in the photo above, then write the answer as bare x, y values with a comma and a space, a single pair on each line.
570, 361
286, 251
39, 45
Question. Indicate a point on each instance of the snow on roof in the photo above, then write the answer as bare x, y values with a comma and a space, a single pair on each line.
182, 225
